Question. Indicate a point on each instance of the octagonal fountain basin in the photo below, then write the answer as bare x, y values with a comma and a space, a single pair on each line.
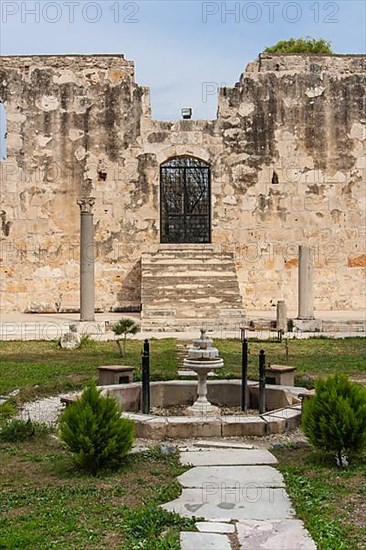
283, 409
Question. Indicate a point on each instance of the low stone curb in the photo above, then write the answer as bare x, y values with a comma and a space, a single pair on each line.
186, 427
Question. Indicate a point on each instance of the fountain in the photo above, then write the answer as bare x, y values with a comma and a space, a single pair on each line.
206, 418
202, 358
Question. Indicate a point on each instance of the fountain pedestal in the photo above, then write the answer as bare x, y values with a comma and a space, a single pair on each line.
202, 358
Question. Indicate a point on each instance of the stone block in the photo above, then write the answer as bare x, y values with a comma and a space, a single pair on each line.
274, 425
284, 534
115, 374
308, 325
231, 476
155, 428
228, 504
204, 541
281, 375
215, 527
233, 426
221, 457
292, 417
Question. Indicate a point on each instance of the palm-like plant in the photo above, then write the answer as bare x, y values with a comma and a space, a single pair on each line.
122, 329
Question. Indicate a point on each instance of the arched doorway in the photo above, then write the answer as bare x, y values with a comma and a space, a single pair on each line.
185, 201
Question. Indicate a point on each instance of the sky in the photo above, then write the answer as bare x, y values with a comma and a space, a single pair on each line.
182, 49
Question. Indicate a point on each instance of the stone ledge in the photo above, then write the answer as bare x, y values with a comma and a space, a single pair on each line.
185, 427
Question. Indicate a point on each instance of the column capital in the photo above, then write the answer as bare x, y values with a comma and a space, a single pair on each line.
86, 204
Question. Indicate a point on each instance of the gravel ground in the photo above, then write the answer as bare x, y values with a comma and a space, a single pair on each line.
44, 410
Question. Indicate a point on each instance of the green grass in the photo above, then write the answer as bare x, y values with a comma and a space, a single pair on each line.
331, 501
312, 357
44, 503
41, 368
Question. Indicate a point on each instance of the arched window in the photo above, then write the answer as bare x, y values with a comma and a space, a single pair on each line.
2, 132
185, 201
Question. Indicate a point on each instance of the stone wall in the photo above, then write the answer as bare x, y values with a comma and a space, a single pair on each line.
287, 153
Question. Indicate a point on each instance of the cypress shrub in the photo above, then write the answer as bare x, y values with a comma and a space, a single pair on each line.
93, 429
334, 419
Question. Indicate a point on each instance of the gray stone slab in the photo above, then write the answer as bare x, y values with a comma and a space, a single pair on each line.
232, 476
232, 457
215, 527
204, 541
222, 445
228, 504
283, 413
286, 535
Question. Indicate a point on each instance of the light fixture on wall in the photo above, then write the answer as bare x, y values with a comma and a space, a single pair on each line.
187, 113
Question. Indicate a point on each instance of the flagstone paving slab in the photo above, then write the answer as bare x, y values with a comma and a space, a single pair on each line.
215, 527
227, 504
225, 457
204, 541
277, 535
222, 444
231, 476
229, 484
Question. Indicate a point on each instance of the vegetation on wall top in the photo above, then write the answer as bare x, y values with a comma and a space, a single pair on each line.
301, 45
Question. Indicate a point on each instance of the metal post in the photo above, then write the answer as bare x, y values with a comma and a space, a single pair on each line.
244, 375
145, 397
262, 382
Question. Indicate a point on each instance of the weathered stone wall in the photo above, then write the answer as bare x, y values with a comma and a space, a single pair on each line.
288, 167
294, 131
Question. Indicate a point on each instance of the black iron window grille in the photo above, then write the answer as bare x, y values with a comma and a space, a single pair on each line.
185, 201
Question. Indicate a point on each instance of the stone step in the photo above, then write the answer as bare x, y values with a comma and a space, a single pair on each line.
198, 271
189, 325
188, 258
182, 285
191, 314
224, 299
191, 254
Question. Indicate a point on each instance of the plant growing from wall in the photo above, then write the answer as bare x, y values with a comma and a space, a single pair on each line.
122, 329
334, 419
301, 45
93, 429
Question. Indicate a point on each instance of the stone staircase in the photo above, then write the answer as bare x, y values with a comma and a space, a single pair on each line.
184, 287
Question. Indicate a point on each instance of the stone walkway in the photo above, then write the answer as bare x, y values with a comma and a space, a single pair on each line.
240, 500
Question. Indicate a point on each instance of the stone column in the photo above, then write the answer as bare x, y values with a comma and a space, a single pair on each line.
87, 259
281, 316
306, 283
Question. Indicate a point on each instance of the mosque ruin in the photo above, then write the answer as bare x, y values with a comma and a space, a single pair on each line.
194, 220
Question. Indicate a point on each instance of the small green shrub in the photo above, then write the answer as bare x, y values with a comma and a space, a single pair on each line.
7, 410
87, 342
301, 45
16, 430
124, 327
334, 420
92, 428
